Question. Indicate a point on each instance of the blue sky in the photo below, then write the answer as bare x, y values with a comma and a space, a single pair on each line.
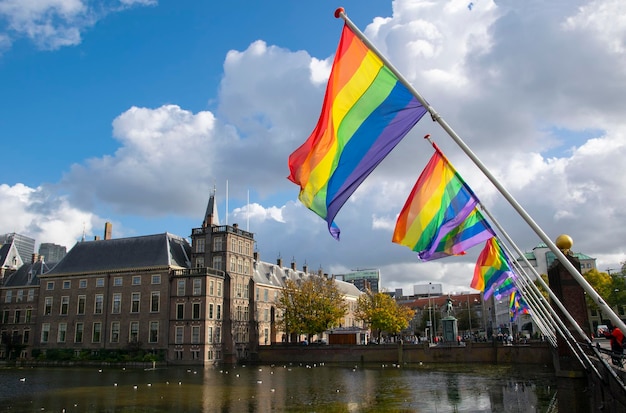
133, 111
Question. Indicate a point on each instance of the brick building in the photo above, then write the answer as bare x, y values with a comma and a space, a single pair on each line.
201, 303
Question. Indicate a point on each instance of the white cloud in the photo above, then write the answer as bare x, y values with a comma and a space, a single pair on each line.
52, 24
517, 82
39, 213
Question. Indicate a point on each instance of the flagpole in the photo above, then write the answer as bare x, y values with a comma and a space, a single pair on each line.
540, 301
340, 13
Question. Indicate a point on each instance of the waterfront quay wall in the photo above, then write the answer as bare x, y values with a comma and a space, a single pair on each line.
492, 353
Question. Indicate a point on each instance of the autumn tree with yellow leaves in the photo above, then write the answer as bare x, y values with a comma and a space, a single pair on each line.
382, 313
310, 306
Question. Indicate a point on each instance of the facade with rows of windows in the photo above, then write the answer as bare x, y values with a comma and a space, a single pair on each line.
201, 303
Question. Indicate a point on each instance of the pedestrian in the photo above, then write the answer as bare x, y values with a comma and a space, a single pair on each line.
617, 345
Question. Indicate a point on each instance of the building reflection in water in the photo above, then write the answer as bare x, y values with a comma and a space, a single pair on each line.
284, 388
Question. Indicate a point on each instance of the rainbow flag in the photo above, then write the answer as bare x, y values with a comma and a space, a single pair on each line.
492, 273
517, 305
440, 217
366, 112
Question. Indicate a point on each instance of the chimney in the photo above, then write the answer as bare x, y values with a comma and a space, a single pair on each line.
108, 227
255, 255
96, 238
305, 268
34, 258
293, 265
279, 262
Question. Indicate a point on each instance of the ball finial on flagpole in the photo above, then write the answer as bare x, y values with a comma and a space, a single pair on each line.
339, 11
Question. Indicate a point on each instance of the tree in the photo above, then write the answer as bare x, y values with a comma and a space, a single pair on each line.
310, 306
383, 313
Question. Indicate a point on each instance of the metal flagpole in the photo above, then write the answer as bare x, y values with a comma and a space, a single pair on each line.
340, 13
555, 299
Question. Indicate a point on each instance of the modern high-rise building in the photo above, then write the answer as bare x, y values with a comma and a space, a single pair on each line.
364, 280
52, 252
25, 245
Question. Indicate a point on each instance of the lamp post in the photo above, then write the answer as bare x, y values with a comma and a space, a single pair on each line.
469, 315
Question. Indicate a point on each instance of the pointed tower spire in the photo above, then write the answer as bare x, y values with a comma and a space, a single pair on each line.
210, 217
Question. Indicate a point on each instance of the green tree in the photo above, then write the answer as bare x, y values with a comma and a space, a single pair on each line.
383, 313
310, 306
602, 283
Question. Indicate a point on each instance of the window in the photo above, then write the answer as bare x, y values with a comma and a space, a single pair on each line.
31, 295
78, 333
238, 288
195, 311
26, 337
233, 245
218, 335
217, 263
247, 252
62, 333
82, 284
266, 314
45, 332
47, 310
29, 315
211, 287
134, 332
246, 313
211, 311
197, 286
246, 267
240, 250
136, 279
20, 296
265, 295
199, 262
65, 305
179, 334
257, 295
116, 308
134, 302
240, 265
218, 244
115, 332
9, 296
99, 282
200, 243
154, 332
195, 334
219, 288
117, 282
80, 308
233, 264
209, 335
16, 319
98, 305
180, 311
156, 279
219, 312
67, 284
96, 332
155, 298
50, 285
180, 288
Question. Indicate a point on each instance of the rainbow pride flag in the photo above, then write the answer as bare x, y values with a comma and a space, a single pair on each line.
365, 113
440, 217
492, 273
517, 305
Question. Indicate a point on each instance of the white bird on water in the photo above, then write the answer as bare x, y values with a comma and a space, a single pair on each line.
23, 379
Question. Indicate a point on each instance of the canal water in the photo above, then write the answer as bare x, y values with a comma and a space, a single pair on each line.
281, 388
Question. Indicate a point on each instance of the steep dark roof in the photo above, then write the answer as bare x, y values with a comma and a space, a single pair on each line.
28, 274
160, 250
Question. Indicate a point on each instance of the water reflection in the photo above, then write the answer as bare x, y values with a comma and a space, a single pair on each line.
288, 388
